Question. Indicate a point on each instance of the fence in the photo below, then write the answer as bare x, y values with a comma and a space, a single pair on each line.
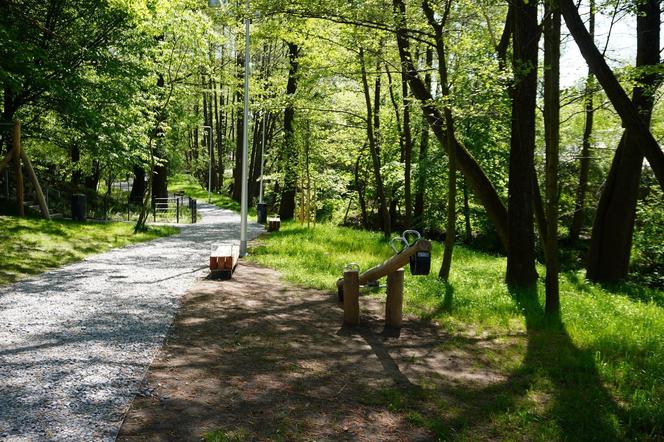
174, 208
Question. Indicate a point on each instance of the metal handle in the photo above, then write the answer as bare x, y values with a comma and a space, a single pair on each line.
411, 233
352, 267
402, 240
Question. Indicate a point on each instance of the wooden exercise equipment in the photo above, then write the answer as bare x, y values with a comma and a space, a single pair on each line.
19, 156
348, 287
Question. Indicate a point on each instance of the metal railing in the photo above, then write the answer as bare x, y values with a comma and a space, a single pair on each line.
174, 208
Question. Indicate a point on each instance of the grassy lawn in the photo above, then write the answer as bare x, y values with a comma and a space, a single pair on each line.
30, 246
192, 188
596, 372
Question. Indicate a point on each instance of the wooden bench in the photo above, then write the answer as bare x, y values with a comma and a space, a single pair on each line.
223, 260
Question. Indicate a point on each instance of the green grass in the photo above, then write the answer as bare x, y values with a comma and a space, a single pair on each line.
29, 246
596, 372
192, 188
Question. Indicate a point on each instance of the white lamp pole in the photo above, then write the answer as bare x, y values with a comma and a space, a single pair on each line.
244, 201
209, 163
244, 204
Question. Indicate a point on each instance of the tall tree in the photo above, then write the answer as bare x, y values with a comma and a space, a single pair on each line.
472, 171
552, 138
418, 209
373, 123
441, 52
584, 161
521, 240
626, 109
289, 151
611, 241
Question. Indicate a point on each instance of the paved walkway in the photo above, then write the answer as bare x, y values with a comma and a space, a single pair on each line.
75, 342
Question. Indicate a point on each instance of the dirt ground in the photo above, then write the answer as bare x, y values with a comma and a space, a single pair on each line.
254, 358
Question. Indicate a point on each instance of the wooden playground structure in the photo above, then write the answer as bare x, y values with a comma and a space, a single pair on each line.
418, 255
20, 159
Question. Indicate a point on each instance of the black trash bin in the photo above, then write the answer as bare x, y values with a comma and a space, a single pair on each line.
261, 213
79, 211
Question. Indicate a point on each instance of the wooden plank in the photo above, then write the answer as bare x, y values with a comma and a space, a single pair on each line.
394, 263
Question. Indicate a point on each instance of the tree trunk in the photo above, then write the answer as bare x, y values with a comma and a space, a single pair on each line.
374, 147
138, 188
289, 152
75, 156
552, 138
611, 242
450, 231
466, 214
236, 194
408, 149
628, 111
521, 240
359, 185
219, 139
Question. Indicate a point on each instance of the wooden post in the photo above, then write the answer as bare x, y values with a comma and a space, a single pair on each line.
19, 171
351, 297
394, 304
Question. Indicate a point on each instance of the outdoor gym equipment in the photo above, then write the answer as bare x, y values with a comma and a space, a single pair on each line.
417, 254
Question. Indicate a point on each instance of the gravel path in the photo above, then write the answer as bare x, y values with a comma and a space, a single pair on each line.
75, 342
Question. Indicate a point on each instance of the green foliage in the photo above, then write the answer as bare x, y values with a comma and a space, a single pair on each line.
593, 373
31, 246
648, 246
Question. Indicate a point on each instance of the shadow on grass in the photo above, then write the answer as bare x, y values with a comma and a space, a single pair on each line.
267, 363
581, 405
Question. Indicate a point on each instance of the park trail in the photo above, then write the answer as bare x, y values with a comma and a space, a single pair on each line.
255, 358
75, 342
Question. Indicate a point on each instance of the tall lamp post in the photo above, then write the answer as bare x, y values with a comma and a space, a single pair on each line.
244, 202
210, 142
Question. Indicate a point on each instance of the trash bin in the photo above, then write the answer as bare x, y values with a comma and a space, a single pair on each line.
79, 209
261, 213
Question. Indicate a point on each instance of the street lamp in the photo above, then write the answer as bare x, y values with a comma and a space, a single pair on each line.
209, 163
244, 202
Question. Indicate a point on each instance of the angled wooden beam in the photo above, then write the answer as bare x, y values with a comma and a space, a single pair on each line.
35, 183
16, 136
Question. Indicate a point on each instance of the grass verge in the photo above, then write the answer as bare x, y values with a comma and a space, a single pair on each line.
596, 372
30, 246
